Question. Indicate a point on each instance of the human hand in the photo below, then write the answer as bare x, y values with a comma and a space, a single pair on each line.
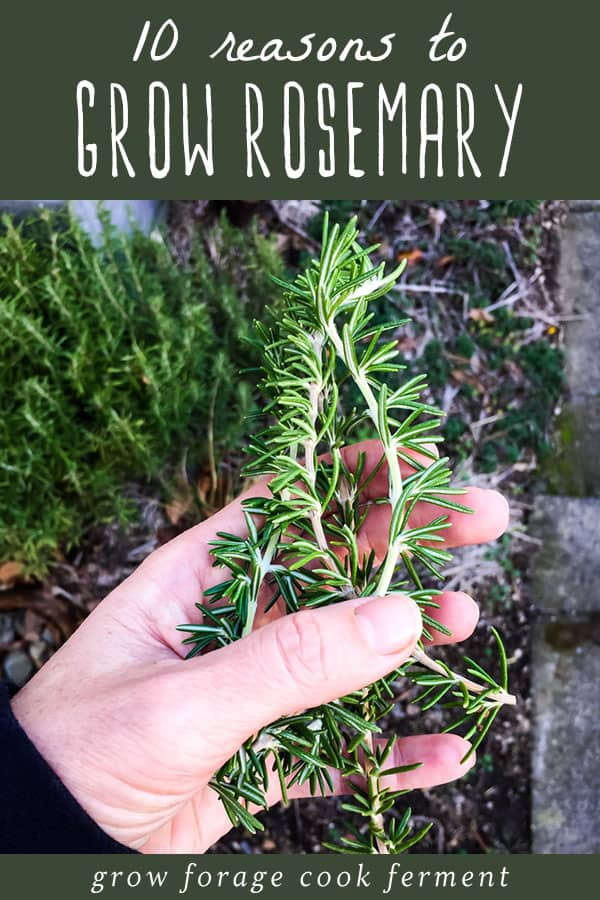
136, 734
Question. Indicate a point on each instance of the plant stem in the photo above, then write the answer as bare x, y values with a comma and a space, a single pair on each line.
314, 394
210, 444
258, 577
390, 452
377, 821
421, 657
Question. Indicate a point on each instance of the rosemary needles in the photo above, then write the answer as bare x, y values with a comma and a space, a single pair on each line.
303, 549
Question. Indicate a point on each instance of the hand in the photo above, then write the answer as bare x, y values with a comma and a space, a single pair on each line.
135, 733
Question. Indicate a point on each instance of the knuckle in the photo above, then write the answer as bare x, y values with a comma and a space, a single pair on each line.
302, 648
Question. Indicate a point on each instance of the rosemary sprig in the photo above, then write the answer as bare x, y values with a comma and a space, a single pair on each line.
306, 551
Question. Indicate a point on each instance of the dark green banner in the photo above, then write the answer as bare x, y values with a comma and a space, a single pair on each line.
172, 98
169, 877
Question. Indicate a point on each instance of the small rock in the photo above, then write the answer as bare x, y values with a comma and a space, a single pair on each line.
18, 667
19, 623
39, 653
32, 625
48, 637
7, 631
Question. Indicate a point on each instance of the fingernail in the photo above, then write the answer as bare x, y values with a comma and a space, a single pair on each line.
389, 624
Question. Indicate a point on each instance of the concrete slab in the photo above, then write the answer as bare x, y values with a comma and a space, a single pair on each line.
579, 295
566, 571
566, 736
566, 567
576, 467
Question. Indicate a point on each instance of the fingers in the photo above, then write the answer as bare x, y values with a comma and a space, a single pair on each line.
205, 819
458, 613
440, 756
487, 521
298, 662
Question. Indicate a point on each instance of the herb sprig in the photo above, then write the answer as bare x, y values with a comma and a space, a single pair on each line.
302, 545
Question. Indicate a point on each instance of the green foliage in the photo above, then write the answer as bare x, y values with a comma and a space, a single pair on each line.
116, 363
231, 280
528, 384
495, 212
302, 541
436, 364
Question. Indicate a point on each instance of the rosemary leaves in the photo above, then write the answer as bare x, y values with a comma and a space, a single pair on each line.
303, 545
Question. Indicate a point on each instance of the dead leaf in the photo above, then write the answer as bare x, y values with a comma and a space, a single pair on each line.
406, 344
204, 487
481, 315
10, 573
444, 261
463, 377
61, 615
412, 257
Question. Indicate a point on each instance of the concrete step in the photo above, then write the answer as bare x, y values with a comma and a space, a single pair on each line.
566, 676
576, 468
566, 568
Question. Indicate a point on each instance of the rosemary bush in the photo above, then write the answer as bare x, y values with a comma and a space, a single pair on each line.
302, 544
117, 364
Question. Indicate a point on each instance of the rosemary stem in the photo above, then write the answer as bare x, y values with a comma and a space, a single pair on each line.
260, 575
503, 697
315, 390
390, 453
377, 822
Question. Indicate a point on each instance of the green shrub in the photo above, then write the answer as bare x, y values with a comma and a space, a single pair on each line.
116, 364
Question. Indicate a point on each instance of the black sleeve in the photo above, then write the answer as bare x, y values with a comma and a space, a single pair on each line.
37, 812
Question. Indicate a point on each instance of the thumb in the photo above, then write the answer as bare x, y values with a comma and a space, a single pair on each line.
302, 660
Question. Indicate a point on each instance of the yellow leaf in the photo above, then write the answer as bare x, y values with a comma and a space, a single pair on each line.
10, 572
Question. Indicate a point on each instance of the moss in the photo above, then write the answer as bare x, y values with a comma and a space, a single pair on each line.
568, 635
560, 467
